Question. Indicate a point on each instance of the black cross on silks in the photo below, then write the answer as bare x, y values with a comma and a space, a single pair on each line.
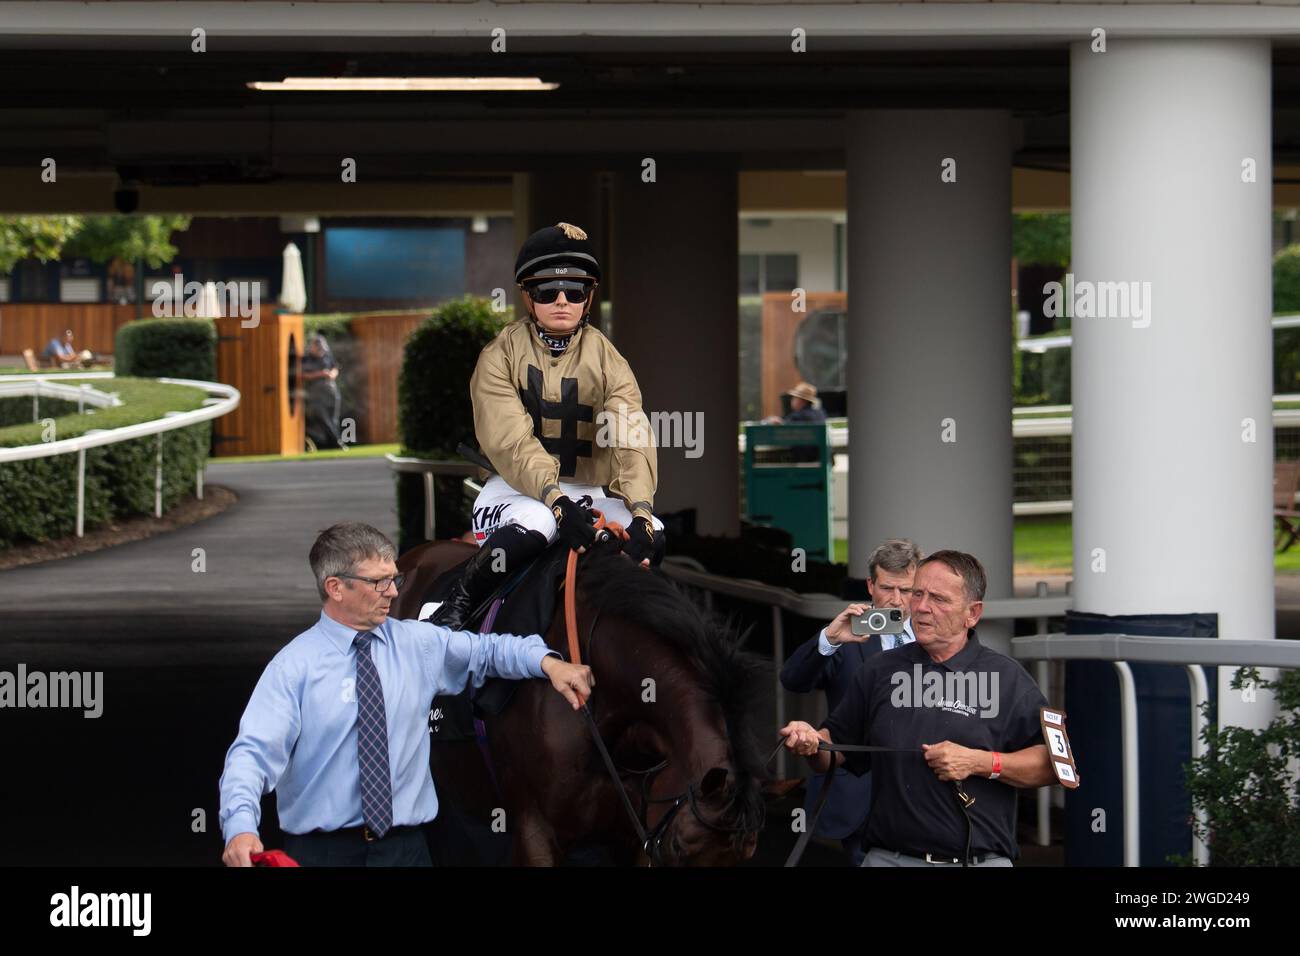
568, 411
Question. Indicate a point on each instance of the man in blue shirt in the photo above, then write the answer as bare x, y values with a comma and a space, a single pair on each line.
338, 723
59, 352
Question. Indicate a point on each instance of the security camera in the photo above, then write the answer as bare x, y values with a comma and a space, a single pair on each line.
126, 200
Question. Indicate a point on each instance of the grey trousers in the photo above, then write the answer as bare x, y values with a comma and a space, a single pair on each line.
879, 857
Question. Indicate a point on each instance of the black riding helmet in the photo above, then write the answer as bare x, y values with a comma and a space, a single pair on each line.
559, 251
562, 251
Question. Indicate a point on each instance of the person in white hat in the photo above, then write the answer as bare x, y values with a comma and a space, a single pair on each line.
805, 406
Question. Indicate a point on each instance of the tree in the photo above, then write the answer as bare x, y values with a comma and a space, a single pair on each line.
100, 238
129, 238
1041, 238
33, 237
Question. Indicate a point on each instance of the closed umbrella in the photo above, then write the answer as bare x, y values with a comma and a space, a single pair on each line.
209, 302
293, 288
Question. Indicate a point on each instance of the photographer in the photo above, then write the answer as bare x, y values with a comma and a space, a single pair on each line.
955, 717
828, 663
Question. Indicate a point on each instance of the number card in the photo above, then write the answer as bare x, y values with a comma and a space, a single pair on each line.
1058, 746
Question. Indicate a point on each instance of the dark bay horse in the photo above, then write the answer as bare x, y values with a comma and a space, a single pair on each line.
672, 701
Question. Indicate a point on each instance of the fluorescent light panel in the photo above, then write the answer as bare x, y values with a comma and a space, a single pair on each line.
400, 84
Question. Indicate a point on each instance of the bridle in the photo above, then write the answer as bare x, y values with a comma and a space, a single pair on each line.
651, 840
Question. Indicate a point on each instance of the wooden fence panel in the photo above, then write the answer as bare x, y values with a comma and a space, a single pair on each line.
29, 325
381, 340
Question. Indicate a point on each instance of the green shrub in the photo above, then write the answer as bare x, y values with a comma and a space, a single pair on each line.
142, 400
38, 497
1245, 785
18, 410
1056, 376
167, 348
1286, 280
434, 409
333, 325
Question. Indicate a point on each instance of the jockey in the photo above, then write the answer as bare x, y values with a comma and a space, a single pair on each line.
557, 411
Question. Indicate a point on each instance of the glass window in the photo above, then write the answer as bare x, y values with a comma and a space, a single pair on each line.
750, 280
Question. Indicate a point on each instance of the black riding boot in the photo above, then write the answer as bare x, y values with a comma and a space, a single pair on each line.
505, 552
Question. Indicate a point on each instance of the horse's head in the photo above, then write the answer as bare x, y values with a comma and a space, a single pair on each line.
714, 823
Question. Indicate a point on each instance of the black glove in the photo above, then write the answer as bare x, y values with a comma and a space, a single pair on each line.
575, 524
640, 544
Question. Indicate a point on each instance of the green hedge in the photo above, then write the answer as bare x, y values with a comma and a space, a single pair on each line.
38, 498
167, 348
18, 410
434, 409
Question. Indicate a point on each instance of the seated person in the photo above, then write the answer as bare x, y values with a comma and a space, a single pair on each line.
60, 353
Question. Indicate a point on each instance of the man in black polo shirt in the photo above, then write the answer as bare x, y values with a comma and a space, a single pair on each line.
955, 711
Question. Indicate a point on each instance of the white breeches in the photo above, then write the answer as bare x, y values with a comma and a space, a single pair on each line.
498, 504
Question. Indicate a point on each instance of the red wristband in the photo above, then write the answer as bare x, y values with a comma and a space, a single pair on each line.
997, 766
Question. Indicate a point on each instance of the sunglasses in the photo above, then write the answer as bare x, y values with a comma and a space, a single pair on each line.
547, 292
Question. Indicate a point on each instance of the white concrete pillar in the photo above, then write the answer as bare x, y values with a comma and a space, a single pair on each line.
1173, 440
676, 318
929, 387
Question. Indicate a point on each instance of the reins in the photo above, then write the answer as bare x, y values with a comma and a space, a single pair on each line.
649, 841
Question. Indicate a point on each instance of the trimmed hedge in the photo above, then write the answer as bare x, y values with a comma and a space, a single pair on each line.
167, 348
38, 498
434, 409
18, 410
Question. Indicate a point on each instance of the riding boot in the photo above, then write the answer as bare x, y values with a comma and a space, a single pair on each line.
661, 548
508, 549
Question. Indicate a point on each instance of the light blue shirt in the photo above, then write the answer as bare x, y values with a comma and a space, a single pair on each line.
887, 641
298, 735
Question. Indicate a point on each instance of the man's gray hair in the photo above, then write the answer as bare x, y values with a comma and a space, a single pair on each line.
895, 555
973, 579
341, 547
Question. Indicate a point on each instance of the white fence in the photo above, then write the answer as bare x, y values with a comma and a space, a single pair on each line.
224, 398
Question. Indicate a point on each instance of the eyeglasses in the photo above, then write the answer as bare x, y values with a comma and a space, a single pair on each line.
547, 292
380, 584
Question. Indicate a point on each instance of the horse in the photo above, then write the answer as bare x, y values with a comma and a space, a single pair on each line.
672, 701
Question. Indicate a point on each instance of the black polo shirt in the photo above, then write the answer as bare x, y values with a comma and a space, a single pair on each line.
977, 698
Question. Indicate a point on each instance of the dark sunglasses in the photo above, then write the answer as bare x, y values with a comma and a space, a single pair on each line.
547, 292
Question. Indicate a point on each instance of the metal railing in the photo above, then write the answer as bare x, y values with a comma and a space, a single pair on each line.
39, 387
428, 468
825, 606
226, 399
1189, 652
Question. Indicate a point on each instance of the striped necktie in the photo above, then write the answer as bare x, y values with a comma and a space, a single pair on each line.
372, 742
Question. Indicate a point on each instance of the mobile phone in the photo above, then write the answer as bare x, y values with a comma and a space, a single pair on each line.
878, 620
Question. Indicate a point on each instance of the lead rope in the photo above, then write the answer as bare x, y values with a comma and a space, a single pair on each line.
828, 780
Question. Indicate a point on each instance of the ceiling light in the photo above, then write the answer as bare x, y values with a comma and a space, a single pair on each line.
400, 84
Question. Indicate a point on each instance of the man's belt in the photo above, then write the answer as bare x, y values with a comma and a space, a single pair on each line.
940, 858
363, 832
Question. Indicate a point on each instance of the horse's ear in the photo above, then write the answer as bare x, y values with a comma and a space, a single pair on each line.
713, 781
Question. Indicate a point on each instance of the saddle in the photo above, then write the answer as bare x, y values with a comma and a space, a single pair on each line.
528, 602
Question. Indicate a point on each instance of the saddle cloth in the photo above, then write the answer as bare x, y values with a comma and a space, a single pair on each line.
528, 606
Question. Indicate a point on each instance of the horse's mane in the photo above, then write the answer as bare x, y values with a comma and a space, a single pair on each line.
611, 584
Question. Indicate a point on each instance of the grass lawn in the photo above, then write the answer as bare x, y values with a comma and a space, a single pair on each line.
1043, 544
356, 451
